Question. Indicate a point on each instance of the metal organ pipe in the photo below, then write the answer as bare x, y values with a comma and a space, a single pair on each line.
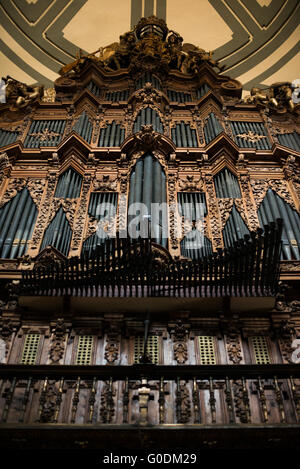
13, 226
272, 207
147, 186
28, 230
227, 185
16, 217
104, 200
235, 228
20, 228
69, 185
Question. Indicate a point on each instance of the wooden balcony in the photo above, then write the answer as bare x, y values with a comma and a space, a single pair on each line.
222, 405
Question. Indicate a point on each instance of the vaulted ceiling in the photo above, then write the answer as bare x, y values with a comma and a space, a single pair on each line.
257, 40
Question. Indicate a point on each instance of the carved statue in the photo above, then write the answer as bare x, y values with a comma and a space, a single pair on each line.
144, 47
19, 95
175, 49
195, 57
117, 55
78, 64
278, 96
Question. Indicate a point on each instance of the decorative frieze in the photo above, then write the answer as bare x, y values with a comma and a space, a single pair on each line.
280, 186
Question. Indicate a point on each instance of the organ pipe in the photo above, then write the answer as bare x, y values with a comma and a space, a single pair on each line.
234, 229
69, 185
101, 205
227, 185
272, 207
17, 219
147, 186
59, 233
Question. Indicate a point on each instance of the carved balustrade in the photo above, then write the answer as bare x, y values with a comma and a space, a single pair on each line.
149, 394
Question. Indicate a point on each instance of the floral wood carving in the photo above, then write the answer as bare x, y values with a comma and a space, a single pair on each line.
80, 220
14, 186
233, 345
112, 345
48, 402
251, 209
48, 256
105, 183
57, 347
4, 164
148, 94
191, 183
146, 139
280, 186
179, 335
44, 213
286, 333
172, 178
225, 207
6, 331
213, 212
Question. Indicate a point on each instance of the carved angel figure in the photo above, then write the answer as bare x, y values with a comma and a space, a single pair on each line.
19, 95
278, 96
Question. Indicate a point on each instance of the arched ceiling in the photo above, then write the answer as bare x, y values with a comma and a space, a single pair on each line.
257, 40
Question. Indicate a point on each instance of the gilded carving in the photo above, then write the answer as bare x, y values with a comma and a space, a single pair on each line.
105, 183
81, 215
191, 183
19, 95
13, 187
4, 164
280, 186
278, 97
173, 220
213, 212
44, 213
285, 332
251, 210
148, 95
6, 331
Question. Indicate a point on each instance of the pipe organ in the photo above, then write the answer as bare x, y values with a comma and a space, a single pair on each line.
149, 249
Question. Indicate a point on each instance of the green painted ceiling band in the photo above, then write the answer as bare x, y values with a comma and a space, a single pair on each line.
268, 49
260, 37
31, 48
33, 11
240, 37
264, 14
55, 32
24, 66
41, 47
274, 68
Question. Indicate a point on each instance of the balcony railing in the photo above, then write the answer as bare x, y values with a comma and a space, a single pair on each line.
141, 268
151, 395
